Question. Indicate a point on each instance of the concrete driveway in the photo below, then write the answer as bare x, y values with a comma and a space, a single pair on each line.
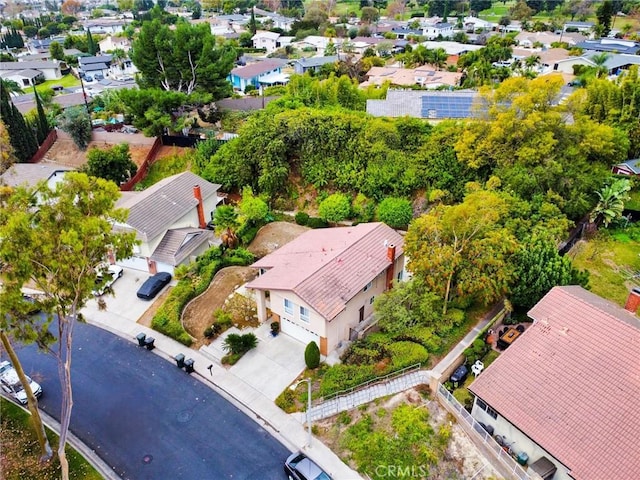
270, 367
123, 302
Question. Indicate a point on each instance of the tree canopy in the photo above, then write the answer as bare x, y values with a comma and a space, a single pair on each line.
113, 163
184, 59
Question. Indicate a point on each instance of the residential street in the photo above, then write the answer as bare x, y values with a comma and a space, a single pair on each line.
150, 420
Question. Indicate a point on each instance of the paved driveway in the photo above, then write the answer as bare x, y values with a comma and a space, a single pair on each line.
124, 302
149, 420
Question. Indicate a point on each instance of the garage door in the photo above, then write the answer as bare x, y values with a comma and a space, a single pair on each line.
299, 333
137, 263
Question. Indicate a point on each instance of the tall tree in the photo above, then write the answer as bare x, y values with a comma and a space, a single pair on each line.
463, 249
185, 59
604, 14
77, 123
21, 136
43, 128
538, 267
91, 44
56, 247
56, 51
7, 153
71, 7
113, 163
225, 219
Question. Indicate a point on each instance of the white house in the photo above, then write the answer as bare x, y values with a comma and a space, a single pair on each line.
30, 174
113, 42
170, 220
48, 70
439, 29
322, 285
266, 40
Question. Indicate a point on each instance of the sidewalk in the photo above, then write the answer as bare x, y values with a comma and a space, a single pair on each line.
252, 402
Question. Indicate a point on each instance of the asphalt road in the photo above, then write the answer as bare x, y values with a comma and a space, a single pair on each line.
148, 419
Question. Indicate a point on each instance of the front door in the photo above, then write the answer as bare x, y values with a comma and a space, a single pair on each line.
361, 314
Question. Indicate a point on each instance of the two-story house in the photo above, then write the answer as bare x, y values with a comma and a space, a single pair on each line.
566, 392
264, 72
322, 285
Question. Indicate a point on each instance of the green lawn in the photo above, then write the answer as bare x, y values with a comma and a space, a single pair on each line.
67, 81
612, 258
20, 450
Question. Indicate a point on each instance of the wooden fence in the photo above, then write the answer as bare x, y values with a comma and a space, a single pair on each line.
44, 148
144, 168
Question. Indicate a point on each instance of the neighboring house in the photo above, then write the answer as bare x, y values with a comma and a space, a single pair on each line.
30, 174
303, 65
35, 45
566, 391
546, 39
266, 72
453, 49
49, 70
616, 63
266, 40
96, 64
403, 32
629, 167
423, 76
432, 105
25, 103
584, 27
170, 220
610, 45
101, 26
435, 30
276, 20
113, 42
322, 285
46, 56
24, 78
566, 65
474, 25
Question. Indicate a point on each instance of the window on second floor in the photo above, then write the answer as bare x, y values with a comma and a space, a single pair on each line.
368, 286
304, 314
288, 306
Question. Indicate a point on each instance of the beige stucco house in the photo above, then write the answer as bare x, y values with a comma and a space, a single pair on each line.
322, 285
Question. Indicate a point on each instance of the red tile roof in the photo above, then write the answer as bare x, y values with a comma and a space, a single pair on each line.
327, 267
571, 383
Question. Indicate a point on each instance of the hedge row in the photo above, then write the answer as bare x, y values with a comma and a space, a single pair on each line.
195, 282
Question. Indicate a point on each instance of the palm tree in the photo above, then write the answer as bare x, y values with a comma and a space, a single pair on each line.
600, 59
611, 202
226, 221
10, 86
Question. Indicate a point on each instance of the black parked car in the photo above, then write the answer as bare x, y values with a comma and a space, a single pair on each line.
460, 375
300, 467
152, 286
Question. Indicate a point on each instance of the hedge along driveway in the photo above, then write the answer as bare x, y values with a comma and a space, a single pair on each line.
167, 319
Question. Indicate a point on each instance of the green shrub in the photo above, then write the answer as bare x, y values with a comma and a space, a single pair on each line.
405, 354
335, 208
302, 218
231, 359
425, 336
312, 355
247, 234
395, 212
286, 401
340, 377
315, 222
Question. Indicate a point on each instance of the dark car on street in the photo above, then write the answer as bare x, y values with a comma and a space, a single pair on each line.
460, 375
300, 467
152, 286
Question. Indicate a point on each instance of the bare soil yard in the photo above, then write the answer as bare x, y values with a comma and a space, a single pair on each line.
273, 235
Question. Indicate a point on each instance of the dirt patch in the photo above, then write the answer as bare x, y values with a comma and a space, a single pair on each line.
64, 152
198, 314
462, 458
274, 235
169, 151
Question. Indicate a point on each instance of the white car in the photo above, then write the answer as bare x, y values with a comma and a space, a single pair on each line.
113, 273
11, 383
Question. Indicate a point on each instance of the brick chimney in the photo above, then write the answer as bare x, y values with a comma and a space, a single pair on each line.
198, 196
633, 301
391, 256
391, 252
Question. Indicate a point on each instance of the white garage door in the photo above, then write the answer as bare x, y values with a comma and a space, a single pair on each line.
137, 263
299, 333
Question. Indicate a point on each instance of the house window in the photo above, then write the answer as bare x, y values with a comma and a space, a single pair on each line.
371, 300
368, 286
304, 314
492, 413
399, 277
288, 306
481, 404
